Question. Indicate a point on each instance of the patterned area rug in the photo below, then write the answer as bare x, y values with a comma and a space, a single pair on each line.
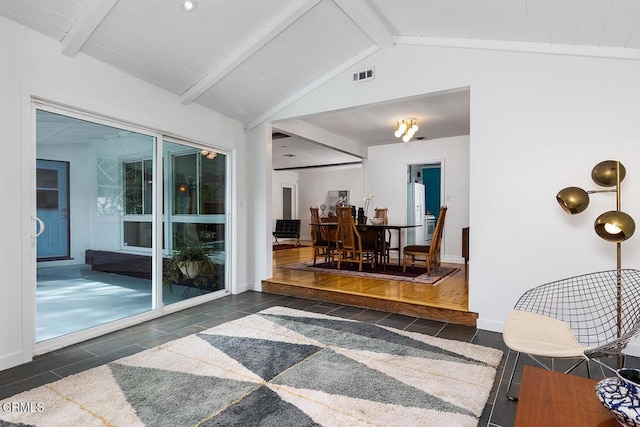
390, 272
279, 367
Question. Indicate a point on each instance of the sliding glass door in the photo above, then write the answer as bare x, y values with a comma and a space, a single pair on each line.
101, 214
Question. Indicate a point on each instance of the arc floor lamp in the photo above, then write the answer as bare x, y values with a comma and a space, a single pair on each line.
613, 226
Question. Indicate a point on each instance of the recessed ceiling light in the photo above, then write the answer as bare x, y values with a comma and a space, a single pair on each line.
189, 5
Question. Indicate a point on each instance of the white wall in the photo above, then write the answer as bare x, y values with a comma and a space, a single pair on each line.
390, 187
538, 123
314, 184
32, 65
258, 204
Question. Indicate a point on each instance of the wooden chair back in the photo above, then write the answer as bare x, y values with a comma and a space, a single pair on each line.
316, 228
381, 213
436, 240
413, 254
329, 232
350, 247
347, 231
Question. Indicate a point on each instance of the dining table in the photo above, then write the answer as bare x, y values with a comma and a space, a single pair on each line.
378, 231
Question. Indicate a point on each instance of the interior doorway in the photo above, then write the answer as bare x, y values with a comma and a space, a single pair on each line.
289, 201
424, 199
287, 198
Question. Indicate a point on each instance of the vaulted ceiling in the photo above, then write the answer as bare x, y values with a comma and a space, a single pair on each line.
250, 59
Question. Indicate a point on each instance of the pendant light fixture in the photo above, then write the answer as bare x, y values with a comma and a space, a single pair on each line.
406, 128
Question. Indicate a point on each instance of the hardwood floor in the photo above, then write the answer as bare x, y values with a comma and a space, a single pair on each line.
447, 301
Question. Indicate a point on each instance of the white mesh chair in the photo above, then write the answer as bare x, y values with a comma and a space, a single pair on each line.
585, 317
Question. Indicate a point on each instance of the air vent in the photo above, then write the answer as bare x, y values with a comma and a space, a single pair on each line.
279, 135
362, 76
288, 155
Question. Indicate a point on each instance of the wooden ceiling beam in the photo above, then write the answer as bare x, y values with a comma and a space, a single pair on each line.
85, 26
290, 15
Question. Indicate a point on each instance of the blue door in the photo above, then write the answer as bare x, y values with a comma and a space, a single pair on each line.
431, 181
52, 207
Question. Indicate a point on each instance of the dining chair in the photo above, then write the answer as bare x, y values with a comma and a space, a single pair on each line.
329, 231
351, 247
381, 213
385, 241
426, 255
322, 245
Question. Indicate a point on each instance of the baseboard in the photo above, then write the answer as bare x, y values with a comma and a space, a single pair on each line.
490, 325
452, 259
249, 287
11, 360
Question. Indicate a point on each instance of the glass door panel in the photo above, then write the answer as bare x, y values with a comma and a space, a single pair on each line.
195, 221
107, 273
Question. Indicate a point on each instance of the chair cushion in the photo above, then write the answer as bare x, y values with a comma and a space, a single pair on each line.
539, 335
417, 248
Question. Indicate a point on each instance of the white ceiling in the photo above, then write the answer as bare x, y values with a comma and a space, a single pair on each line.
439, 115
249, 59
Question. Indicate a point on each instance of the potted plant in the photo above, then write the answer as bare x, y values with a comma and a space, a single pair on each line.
191, 264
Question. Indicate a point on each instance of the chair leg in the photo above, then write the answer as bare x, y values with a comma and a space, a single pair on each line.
412, 260
513, 371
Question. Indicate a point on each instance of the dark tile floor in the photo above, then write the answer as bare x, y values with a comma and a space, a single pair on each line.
52, 366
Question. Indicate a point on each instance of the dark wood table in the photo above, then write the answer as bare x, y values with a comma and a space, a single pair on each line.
379, 231
551, 399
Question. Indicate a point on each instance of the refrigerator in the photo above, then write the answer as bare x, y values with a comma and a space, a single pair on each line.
416, 214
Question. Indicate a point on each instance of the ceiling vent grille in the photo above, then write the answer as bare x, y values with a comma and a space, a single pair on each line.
363, 75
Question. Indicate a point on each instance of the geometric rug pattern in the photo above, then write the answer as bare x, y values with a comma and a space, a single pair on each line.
387, 272
278, 367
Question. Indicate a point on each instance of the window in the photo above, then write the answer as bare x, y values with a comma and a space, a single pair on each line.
198, 199
199, 184
138, 178
138, 192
